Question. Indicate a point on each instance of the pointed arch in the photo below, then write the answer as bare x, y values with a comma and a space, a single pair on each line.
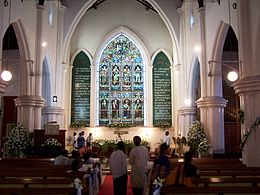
89, 3
165, 52
216, 84
163, 92
26, 63
132, 37
81, 63
77, 52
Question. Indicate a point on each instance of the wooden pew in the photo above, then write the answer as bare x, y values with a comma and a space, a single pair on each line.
220, 176
213, 181
38, 176
220, 190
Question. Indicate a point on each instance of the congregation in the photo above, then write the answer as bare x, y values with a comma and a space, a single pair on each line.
146, 167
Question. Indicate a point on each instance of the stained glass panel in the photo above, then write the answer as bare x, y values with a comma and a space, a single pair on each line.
120, 83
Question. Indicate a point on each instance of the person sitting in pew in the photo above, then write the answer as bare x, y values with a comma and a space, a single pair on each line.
62, 159
87, 158
188, 170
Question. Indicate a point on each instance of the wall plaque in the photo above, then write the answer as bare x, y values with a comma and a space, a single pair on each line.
162, 89
80, 106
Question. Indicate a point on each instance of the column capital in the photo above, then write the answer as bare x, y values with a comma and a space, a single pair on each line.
201, 9
187, 110
52, 110
3, 86
211, 101
247, 85
30, 100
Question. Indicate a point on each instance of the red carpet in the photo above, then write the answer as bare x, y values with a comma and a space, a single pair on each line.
107, 186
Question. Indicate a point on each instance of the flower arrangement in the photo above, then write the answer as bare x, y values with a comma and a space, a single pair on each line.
51, 148
51, 142
247, 133
18, 138
162, 125
197, 138
78, 124
157, 185
77, 184
120, 125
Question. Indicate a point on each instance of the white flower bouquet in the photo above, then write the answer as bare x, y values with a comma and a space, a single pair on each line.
18, 138
197, 138
77, 184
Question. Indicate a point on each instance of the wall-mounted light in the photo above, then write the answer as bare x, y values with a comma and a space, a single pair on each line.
54, 98
6, 75
44, 44
197, 48
232, 75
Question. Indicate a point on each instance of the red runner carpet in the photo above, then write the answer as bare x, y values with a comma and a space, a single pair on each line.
107, 186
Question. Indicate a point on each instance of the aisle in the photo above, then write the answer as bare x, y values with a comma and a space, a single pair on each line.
107, 186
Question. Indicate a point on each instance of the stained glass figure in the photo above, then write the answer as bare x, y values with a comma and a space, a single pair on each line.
121, 82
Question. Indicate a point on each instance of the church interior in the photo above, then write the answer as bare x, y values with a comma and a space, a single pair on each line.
132, 67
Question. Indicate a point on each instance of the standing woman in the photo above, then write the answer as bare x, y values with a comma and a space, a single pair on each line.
89, 140
75, 141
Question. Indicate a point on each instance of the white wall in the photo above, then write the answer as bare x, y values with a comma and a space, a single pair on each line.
95, 24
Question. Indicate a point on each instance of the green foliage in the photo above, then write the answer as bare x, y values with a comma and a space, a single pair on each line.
197, 138
78, 124
104, 144
247, 133
120, 125
162, 125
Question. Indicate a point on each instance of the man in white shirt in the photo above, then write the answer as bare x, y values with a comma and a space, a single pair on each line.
118, 167
167, 138
138, 159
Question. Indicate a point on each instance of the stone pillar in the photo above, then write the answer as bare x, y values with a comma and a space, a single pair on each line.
203, 53
38, 41
53, 113
248, 85
212, 109
186, 116
29, 111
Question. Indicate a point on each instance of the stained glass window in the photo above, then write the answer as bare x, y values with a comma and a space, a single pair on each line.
121, 83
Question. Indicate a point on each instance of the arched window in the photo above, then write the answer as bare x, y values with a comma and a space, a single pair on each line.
121, 87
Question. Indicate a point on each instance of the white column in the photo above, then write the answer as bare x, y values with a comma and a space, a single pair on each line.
212, 109
29, 111
203, 53
248, 86
38, 63
186, 116
54, 113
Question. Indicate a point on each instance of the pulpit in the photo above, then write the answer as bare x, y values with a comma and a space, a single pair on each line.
40, 137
